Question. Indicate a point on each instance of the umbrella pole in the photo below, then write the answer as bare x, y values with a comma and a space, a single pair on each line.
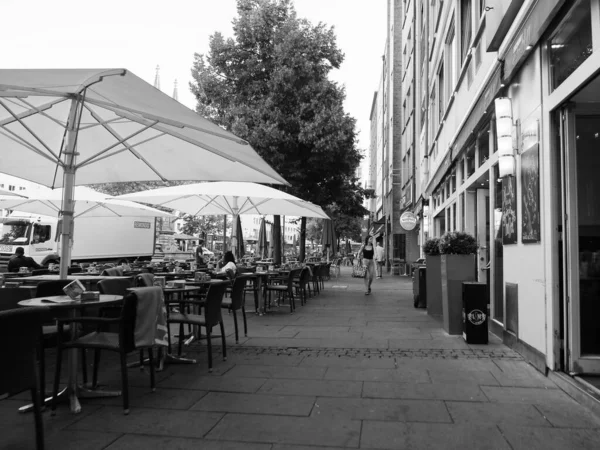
68, 191
234, 236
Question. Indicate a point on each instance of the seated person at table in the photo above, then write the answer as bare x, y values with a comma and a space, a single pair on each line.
228, 262
20, 260
200, 254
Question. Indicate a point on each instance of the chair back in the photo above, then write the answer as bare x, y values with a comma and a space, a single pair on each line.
212, 307
145, 279
50, 288
115, 286
10, 297
304, 276
127, 322
20, 331
294, 273
237, 292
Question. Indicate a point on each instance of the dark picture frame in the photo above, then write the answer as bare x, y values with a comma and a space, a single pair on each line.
509, 210
530, 195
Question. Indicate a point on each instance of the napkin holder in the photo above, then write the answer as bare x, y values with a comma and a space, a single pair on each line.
74, 289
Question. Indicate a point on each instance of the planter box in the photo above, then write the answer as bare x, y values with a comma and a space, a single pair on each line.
433, 281
454, 270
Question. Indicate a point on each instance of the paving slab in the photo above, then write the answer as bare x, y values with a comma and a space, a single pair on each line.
293, 372
149, 422
162, 398
381, 409
526, 438
390, 435
290, 405
496, 413
287, 430
137, 442
312, 388
224, 383
425, 391
374, 374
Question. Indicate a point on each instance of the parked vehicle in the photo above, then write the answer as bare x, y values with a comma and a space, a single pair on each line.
100, 239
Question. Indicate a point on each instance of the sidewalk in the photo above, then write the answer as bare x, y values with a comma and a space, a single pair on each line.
344, 371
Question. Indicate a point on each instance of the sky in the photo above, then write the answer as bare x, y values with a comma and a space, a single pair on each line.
139, 35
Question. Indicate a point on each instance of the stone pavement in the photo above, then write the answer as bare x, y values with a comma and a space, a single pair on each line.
344, 371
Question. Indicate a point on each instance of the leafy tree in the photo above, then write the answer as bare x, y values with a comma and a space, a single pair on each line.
202, 225
269, 85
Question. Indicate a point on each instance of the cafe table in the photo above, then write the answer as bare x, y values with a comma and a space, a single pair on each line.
73, 391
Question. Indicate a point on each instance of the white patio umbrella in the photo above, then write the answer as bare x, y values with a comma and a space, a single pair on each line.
227, 198
12, 194
62, 127
87, 203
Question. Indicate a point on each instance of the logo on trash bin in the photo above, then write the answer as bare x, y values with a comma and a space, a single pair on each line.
476, 317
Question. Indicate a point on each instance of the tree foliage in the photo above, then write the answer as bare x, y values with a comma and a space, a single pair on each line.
269, 85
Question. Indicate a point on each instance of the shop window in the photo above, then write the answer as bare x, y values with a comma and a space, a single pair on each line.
483, 146
399, 246
470, 161
571, 43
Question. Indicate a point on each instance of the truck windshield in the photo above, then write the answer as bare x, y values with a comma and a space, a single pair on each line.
15, 232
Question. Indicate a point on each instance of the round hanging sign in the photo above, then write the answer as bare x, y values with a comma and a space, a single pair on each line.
408, 221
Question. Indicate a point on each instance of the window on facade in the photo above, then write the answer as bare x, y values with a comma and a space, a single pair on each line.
399, 246
453, 181
433, 123
453, 216
441, 95
483, 145
571, 44
470, 161
11, 187
450, 61
465, 28
461, 202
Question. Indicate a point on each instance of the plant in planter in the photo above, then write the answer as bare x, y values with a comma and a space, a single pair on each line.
458, 264
433, 277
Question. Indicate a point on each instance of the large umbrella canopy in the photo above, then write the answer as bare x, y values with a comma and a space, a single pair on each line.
329, 238
227, 198
82, 126
88, 203
262, 245
13, 194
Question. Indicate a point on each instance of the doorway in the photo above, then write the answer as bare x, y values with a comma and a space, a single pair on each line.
579, 249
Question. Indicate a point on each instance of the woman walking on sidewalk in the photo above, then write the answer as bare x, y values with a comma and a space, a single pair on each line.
367, 255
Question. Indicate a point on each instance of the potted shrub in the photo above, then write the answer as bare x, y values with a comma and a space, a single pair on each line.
433, 280
458, 264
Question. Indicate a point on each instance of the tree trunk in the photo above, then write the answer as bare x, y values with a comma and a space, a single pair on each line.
302, 239
277, 240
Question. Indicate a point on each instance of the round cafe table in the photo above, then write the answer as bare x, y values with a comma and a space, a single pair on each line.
73, 391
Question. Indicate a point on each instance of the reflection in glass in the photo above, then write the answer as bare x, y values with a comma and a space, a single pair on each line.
571, 44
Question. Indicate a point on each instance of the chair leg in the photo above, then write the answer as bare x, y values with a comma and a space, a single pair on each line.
152, 372
84, 366
96, 366
245, 323
124, 382
209, 348
181, 339
141, 359
235, 324
223, 342
56, 377
42, 365
37, 411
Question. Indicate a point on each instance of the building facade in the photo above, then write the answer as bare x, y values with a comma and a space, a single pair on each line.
506, 129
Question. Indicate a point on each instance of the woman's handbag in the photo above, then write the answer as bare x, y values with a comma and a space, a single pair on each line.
359, 270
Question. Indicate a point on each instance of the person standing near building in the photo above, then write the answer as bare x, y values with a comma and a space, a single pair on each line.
368, 251
379, 259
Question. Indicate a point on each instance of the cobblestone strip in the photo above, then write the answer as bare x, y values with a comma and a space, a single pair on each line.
502, 354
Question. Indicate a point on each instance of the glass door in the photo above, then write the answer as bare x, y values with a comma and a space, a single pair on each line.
483, 233
580, 155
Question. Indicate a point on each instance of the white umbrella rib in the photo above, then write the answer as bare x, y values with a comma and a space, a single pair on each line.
37, 138
33, 110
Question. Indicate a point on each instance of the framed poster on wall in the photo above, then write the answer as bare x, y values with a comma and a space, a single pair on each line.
530, 194
509, 210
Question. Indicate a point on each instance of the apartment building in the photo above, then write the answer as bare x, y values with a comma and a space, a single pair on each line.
505, 97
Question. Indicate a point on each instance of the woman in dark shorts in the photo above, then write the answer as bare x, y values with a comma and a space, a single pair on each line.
367, 254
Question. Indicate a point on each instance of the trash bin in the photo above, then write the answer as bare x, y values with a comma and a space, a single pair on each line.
419, 286
476, 311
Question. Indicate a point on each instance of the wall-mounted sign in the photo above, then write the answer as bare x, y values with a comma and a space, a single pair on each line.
408, 221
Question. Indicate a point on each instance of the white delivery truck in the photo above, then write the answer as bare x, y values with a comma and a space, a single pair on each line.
100, 239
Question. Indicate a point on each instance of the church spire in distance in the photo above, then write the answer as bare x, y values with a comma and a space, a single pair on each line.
175, 96
157, 78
